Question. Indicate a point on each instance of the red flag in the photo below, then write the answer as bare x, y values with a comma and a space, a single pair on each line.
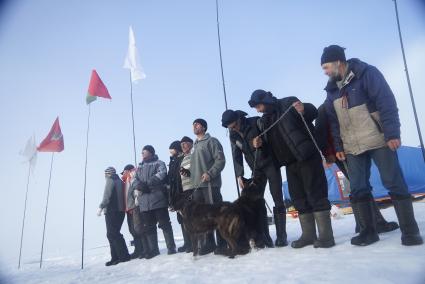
54, 140
96, 88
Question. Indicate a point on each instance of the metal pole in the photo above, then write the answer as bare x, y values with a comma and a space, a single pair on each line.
23, 218
45, 212
224, 88
132, 119
408, 82
85, 185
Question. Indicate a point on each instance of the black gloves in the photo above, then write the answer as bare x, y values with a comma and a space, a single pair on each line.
154, 181
143, 187
184, 172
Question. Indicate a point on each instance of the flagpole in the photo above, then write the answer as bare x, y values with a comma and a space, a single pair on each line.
224, 89
45, 212
85, 185
23, 218
408, 83
132, 119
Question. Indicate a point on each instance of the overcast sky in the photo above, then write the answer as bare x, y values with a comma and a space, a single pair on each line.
48, 49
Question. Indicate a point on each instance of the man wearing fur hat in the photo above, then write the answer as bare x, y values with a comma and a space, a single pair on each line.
243, 130
293, 148
152, 197
365, 126
113, 206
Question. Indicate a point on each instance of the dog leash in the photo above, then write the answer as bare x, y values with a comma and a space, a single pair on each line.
313, 139
264, 132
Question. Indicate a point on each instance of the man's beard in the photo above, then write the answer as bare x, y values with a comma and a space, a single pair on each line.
335, 76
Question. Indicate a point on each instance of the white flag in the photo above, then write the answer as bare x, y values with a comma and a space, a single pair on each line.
30, 152
132, 59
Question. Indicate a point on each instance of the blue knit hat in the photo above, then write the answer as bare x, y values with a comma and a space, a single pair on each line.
261, 97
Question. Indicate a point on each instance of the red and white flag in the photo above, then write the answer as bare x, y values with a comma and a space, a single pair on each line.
54, 140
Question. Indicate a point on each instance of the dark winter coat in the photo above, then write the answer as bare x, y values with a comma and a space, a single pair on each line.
174, 178
113, 195
289, 139
363, 114
152, 173
242, 144
323, 132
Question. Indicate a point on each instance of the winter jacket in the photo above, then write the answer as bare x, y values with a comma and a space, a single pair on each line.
113, 195
289, 138
207, 157
152, 173
323, 132
242, 144
174, 179
363, 114
127, 179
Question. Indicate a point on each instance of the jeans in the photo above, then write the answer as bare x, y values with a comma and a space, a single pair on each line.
389, 169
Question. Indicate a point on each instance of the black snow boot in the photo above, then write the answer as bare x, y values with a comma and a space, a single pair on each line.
280, 223
138, 248
169, 240
410, 235
324, 227
221, 248
365, 216
308, 228
382, 225
268, 241
152, 241
207, 244
187, 245
122, 250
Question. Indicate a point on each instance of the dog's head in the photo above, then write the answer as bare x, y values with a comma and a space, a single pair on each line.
252, 188
181, 202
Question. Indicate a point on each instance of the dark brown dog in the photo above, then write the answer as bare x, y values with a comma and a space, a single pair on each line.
236, 221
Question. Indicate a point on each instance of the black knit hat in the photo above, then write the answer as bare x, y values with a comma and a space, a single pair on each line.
176, 146
201, 122
150, 149
332, 53
127, 168
228, 117
261, 97
186, 139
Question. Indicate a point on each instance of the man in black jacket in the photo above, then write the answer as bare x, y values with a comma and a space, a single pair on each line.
293, 148
242, 132
176, 188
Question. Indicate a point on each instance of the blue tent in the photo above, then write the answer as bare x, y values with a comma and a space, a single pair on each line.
412, 165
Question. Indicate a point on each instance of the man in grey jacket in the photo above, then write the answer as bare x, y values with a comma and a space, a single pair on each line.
207, 162
152, 197
114, 208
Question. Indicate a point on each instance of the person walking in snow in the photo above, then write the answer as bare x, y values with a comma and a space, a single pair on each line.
132, 210
365, 126
152, 196
114, 209
293, 148
243, 130
206, 163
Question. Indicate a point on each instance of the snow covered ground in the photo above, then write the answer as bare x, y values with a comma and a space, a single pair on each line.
384, 262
